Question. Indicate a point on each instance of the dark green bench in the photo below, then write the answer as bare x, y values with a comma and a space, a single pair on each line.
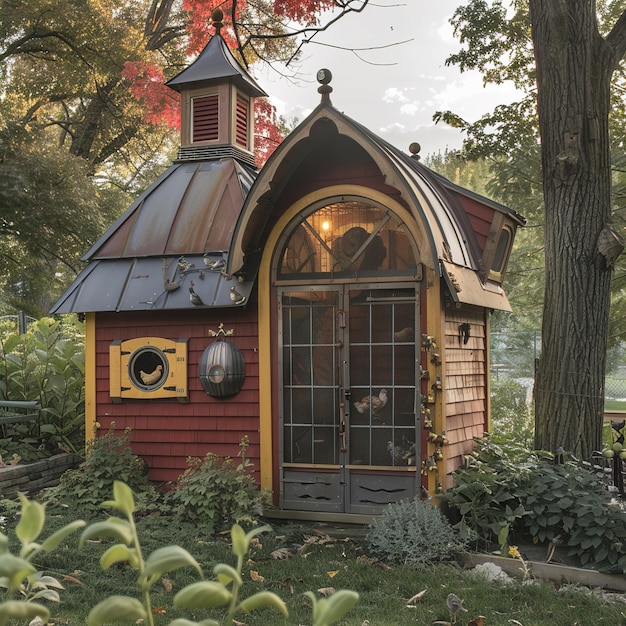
18, 412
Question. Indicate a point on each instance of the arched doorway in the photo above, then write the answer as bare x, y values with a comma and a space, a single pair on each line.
345, 287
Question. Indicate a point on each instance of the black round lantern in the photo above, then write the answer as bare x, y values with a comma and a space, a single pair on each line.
222, 369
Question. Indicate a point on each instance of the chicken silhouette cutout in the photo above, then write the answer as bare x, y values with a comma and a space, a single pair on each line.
152, 377
375, 403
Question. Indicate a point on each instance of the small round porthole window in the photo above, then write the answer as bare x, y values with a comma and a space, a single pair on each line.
222, 369
148, 368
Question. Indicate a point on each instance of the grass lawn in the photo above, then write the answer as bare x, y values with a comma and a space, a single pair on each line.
336, 561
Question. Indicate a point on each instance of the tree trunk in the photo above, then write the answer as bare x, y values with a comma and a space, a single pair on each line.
574, 67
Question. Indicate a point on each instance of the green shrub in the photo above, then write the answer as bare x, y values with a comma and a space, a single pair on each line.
218, 492
413, 532
512, 419
47, 365
540, 500
109, 458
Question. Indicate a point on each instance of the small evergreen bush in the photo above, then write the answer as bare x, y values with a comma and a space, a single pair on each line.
216, 491
413, 532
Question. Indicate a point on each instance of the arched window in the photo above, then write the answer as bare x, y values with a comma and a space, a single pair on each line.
349, 238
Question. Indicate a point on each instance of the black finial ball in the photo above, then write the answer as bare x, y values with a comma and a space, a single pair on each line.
414, 148
217, 15
324, 76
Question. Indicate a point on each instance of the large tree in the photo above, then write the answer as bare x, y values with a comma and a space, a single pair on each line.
575, 64
565, 55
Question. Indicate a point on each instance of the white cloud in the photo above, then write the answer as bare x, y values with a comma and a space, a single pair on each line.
393, 94
394, 127
410, 109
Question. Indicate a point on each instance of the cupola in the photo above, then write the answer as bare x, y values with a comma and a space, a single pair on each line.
217, 103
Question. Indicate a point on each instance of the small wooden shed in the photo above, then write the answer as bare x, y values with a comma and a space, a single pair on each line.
333, 307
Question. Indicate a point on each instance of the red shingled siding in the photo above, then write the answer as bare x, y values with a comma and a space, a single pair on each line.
165, 432
480, 217
465, 384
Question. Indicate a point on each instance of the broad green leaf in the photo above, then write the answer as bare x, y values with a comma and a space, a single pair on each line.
168, 559
23, 610
336, 606
55, 539
31, 521
205, 594
15, 569
123, 499
316, 606
262, 599
227, 574
50, 581
47, 594
119, 553
240, 541
116, 608
114, 527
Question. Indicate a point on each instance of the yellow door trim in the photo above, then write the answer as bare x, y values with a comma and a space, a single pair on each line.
332, 193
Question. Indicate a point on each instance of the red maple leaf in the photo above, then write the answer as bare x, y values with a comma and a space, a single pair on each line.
147, 84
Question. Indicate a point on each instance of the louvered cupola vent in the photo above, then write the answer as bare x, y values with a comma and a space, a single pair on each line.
241, 134
205, 118
217, 103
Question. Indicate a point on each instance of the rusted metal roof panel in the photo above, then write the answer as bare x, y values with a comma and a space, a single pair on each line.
148, 284
191, 209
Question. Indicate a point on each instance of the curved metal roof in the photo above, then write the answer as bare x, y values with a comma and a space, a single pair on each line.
174, 236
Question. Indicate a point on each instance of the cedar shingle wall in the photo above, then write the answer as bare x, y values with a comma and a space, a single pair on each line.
165, 432
465, 384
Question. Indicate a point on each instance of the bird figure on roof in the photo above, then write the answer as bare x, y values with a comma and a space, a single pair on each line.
152, 377
455, 606
236, 297
195, 299
376, 403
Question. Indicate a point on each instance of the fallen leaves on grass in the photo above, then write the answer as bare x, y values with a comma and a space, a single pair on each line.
167, 584
418, 596
256, 577
326, 591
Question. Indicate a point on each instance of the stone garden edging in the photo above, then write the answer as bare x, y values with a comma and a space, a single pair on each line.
35, 476
553, 572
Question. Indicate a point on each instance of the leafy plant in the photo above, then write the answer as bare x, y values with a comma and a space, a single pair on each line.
413, 532
484, 496
217, 491
204, 594
47, 365
541, 499
512, 419
18, 574
108, 459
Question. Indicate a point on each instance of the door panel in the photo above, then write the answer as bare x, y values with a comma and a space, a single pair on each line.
347, 417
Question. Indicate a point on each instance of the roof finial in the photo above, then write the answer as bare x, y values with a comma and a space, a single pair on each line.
216, 19
324, 77
414, 149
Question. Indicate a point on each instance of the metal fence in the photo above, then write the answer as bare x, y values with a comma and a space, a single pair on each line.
513, 356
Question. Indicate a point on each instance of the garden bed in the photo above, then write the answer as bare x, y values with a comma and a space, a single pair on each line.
35, 476
554, 572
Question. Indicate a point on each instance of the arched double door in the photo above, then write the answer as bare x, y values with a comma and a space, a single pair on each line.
346, 286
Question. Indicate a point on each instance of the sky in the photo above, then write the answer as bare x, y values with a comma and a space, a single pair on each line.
394, 90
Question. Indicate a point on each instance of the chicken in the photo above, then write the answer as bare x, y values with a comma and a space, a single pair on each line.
455, 606
402, 454
152, 377
376, 403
